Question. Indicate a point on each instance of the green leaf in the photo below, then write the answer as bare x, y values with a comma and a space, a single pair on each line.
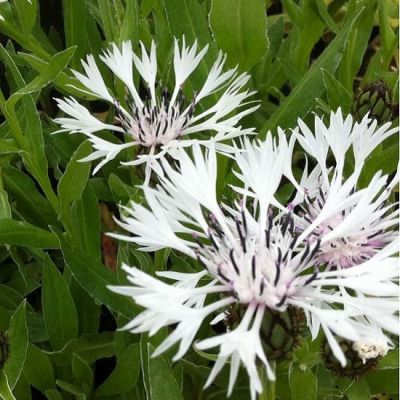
147, 344
18, 233
162, 383
63, 82
180, 263
5, 209
359, 390
89, 311
34, 207
26, 11
17, 337
32, 139
325, 16
53, 394
10, 64
56, 64
161, 259
302, 97
75, 177
59, 310
94, 277
33, 130
32, 126
8, 147
75, 27
303, 37
124, 376
129, 27
240, 30
5, 389
38, 369
187, 18
108, 18
82, 373
390, 361
71, 388
85, 215
88, 347
294, 11
303, 384
338, 95
141, 260
381, 160
29, 133
383, 381
22, 390
5, 317
388, 48
9, 298
356, 46
387, 34
120, 190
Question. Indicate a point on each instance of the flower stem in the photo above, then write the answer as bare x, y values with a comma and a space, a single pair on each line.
268, 386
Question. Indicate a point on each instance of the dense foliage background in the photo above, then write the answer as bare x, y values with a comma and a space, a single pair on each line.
57, 317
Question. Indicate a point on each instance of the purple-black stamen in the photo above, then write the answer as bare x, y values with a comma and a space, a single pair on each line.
253, 267
213, 242
315, 249
197, 239
313, 277
374, 234
285, 224
262, 286
281, 301
244, 221
285, 256
221, 275
241, 237
233, 261
278, 268
270, 216
267, 238
307, 219
305, 253
293, 242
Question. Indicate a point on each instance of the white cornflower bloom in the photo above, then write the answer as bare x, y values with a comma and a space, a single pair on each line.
352, 234
158, 121
253, 258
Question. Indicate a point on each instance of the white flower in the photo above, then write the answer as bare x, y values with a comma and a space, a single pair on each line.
370, 348
158, 121
352, 233
339, 136
253, 256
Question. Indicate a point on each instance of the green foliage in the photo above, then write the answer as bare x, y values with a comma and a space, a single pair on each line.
56, 264
17, 337
233, 25
59, 310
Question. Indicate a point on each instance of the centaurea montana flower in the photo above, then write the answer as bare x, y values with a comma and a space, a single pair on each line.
253, 257
158, 121
364, 227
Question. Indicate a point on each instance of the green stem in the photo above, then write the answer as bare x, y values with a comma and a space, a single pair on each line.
268, 386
